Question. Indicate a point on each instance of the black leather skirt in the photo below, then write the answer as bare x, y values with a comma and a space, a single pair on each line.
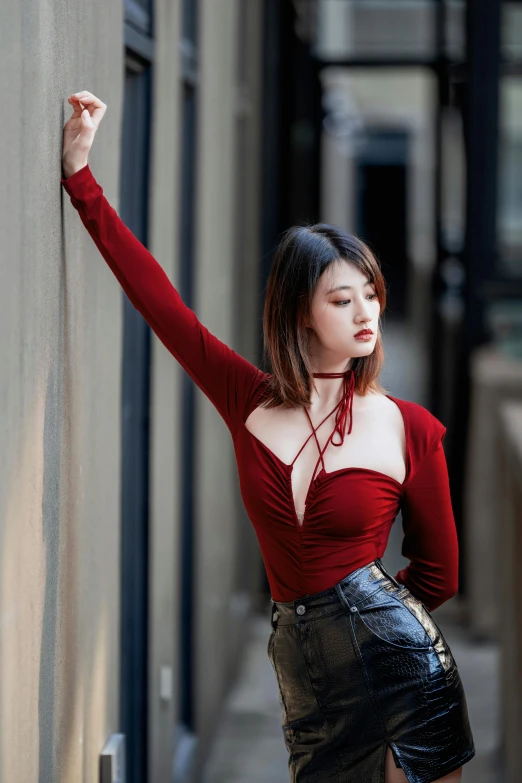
359, 667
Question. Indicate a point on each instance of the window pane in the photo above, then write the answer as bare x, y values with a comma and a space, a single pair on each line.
455, 29
350, 28
512, 31
189, 19
510, 176
139, 14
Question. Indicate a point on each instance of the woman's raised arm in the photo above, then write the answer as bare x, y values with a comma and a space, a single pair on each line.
223, 375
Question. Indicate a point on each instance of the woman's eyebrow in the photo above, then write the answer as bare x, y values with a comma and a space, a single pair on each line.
344, 288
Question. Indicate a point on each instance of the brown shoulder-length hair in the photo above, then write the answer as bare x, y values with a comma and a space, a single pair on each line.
302, 255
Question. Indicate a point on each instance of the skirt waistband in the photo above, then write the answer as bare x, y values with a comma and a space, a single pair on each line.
350, 591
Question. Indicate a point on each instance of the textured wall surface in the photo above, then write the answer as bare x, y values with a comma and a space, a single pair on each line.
60, 389
60, 425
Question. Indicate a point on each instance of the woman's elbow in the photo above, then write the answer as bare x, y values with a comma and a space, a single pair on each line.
449, 591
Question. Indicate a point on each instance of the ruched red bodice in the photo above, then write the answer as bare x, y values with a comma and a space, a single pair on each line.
348, 512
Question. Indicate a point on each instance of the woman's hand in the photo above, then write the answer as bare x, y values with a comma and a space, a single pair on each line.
79, 130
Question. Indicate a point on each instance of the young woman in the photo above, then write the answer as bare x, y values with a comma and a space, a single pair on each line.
368, 687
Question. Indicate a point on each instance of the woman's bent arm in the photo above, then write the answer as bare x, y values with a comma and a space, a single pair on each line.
225, 377
430, 537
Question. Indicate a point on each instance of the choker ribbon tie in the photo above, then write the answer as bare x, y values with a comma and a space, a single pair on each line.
345, 405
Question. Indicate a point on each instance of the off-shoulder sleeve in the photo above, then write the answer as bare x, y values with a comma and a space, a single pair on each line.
430, 537
226, 378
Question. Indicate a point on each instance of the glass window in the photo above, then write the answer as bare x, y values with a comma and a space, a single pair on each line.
139, 14
510, 177
511, 31
455, 29
377, 28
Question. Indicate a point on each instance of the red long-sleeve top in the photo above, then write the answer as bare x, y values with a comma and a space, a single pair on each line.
349, 512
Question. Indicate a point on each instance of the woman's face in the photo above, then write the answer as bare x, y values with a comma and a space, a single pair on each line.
344, 303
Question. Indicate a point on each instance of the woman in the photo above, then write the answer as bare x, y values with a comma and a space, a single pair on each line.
368, 687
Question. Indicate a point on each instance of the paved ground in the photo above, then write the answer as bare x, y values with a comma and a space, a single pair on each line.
250, 749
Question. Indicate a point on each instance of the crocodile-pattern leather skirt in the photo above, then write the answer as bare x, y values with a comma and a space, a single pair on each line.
359, 667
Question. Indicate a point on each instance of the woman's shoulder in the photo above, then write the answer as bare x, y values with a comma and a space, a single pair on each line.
423, 429
420, 417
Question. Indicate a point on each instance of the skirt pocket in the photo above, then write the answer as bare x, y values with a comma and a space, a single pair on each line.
396, 621
421, 613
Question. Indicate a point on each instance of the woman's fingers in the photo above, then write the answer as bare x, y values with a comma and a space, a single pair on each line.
76, 107
88, 95
86, 100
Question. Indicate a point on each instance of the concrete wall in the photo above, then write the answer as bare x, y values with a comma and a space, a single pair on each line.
61, 320
506, 582
495, 378
60, 444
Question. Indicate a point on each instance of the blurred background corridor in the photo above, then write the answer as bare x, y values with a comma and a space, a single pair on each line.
134, 607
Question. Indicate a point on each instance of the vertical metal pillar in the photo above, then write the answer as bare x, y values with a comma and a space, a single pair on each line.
481, 123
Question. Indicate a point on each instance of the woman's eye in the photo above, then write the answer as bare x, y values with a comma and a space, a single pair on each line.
347, 301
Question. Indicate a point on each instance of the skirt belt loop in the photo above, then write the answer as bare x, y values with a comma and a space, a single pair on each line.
274, 614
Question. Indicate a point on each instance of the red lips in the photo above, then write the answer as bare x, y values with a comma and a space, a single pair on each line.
363, 331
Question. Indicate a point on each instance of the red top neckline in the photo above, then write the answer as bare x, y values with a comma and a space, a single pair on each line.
343, 407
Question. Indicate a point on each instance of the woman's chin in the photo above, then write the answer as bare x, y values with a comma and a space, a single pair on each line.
363, 349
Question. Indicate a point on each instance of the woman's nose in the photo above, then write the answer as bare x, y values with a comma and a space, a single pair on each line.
364, 312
